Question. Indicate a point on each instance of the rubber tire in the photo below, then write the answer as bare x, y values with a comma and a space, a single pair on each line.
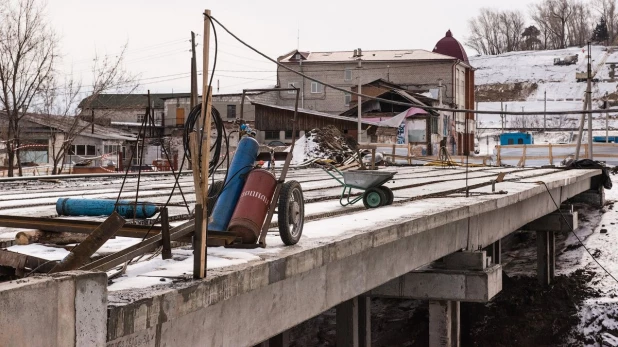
213, 191
370, 192
390, 197
286, 197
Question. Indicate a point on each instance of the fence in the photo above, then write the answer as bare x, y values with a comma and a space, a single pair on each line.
550, 154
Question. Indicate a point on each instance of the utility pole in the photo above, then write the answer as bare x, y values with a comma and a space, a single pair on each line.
359, 102
589, 99
502, 115
193, 73
606, 106
545, 113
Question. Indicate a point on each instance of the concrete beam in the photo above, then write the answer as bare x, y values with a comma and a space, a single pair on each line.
555, 222
444, 328
466, 260
435, 284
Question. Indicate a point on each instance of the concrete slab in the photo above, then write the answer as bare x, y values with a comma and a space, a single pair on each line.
434, 284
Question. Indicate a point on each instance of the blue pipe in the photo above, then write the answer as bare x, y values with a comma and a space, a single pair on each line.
103, 207
242, 163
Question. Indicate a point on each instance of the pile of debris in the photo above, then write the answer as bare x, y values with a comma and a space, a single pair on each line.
327, 143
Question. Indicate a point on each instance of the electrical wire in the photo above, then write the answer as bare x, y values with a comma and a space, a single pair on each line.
573, 231
393, 102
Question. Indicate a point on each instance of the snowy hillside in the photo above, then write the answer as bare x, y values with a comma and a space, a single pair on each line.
526, 76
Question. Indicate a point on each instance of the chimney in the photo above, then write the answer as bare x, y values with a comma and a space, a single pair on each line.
360, 52
355, 53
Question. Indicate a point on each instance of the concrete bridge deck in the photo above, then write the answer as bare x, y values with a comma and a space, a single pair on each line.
252, 295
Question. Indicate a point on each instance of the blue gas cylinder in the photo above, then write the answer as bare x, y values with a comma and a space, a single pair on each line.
103, 207
243, 161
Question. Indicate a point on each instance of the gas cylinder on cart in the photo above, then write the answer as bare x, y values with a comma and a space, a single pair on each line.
241, 164
253, 205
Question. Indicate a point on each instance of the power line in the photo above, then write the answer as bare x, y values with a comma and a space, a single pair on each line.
454, 110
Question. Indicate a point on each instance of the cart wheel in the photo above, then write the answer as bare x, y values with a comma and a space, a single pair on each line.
213, 191
374, 197
390, 197
291, 212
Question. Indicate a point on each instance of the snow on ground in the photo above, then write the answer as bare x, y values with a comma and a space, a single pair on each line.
599, 233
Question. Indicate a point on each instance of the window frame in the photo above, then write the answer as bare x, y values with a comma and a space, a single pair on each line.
140, 118
233, 113
319, 88
347, 99
270, 132
292, 85
345, 74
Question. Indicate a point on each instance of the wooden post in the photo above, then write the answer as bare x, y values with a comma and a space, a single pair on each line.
165, 235
551, 155
199, 250
393, 157
197, 240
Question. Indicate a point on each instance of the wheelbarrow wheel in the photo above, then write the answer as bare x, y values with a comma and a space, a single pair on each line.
213, 192
374, 197
291, 212
390, 197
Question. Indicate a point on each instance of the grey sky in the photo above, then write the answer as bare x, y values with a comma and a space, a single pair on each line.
158, 33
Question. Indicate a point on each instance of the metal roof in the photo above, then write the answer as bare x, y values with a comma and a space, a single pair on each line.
315, 113
382, 55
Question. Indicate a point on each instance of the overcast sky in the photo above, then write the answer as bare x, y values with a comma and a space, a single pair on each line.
158, 33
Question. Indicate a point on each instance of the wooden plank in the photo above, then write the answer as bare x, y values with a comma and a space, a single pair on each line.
148, 245
82, 252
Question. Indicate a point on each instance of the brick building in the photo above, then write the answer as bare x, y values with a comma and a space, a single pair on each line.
414, 70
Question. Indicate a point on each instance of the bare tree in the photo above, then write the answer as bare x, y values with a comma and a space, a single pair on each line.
579, 24
495, 32
60, 103
27, 53
552, 17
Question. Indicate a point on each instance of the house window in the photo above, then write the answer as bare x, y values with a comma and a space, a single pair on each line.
83, 150
140, 118
347, 75
434, 125
511, 141
292, 85
271, 135
317, 87
108, 149
231, 111
288, 134
520, 141
347, 98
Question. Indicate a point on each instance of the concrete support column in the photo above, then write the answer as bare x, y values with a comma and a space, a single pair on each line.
444, 328
364, 321
546, 256
494, 251
347, 323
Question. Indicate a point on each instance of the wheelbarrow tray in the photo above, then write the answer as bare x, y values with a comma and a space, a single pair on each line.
363, 179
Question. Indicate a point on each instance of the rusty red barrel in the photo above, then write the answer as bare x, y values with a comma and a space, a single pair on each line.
253, 205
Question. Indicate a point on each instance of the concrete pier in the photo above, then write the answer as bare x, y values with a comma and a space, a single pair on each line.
347, 323
444, 327
364, 321
546, 256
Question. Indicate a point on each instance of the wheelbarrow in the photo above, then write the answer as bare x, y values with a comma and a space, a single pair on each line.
371, 182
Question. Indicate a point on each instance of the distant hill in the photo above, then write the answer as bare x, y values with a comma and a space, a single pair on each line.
527, 75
